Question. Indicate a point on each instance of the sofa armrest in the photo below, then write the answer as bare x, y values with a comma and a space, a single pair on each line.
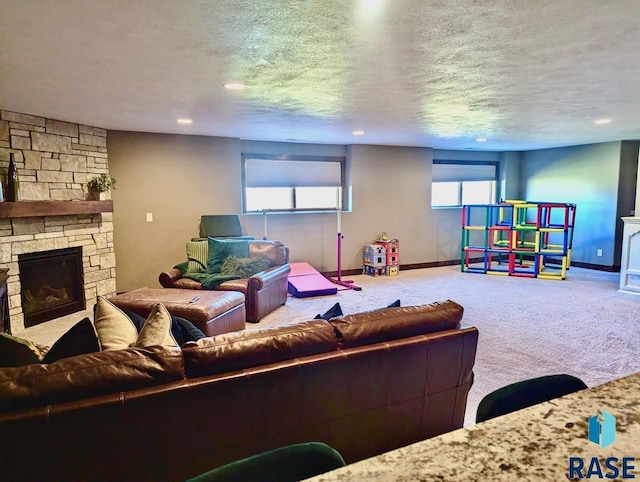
267, 277
167, 278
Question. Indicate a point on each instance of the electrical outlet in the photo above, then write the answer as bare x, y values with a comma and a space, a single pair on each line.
599, 252
150, 218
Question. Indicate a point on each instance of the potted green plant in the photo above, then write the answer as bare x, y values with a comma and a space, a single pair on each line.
99, 185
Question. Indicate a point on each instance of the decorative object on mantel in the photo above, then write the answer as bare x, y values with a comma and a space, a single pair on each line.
99, 185
13, 183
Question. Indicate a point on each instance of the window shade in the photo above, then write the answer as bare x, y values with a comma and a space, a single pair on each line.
292, 173
463, 172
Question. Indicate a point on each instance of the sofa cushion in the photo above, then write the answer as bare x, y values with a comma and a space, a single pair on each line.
88, 375
240, 285
197, 256
251, 348
394, 323
116, 331
79, 339
187, 284
16, 351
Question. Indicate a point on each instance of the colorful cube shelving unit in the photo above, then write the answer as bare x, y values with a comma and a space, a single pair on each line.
518, 238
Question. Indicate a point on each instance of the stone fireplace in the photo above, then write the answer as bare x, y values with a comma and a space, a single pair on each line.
55, 160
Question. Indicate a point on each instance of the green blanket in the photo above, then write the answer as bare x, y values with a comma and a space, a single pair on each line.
232, 268
208, 280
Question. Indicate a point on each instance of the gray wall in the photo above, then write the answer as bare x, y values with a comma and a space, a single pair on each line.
178, 178
445, 230
589, 177
510, 178
627, 187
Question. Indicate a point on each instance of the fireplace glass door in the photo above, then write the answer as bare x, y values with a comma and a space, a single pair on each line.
51, 284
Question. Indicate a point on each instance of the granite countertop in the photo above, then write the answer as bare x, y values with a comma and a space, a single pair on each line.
531, 444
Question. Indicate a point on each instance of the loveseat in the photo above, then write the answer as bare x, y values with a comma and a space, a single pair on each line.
363, 383
264, 291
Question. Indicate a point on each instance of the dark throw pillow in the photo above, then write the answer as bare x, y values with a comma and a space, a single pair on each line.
332, 312
81, 338
183, 330
136, 319
16, 352
336, 310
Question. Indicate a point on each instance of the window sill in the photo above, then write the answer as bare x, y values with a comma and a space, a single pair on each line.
293, 211
445, 207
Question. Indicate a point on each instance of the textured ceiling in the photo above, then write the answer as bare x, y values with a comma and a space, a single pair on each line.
532, 73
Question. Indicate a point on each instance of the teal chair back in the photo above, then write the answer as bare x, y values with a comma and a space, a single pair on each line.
286, 464
525, 394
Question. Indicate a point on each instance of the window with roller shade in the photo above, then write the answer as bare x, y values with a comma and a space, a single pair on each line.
456, 183
292, 183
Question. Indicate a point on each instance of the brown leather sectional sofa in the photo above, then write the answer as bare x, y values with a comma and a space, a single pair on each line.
264, 291
364, 384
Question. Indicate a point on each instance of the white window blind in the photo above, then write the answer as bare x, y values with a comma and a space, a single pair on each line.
292, 173
463, 172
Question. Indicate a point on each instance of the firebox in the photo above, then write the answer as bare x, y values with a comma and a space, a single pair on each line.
51, 284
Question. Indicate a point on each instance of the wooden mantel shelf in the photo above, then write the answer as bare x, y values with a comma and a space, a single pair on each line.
27, 209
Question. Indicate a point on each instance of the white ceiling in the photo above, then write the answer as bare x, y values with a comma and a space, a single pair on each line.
533, 73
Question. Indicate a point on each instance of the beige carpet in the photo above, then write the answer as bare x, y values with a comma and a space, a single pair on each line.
528, 327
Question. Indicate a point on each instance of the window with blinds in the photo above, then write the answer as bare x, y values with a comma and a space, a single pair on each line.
292, 183
456, 183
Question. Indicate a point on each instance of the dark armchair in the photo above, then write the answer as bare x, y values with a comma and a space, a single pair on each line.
264, 291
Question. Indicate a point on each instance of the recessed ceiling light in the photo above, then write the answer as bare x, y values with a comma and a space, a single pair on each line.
602, 121
234, 86
481, 139
185, 122
358, 133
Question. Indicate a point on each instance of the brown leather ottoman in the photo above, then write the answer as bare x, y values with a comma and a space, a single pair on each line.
213, 313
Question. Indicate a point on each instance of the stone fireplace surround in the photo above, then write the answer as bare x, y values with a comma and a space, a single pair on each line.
55, 160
